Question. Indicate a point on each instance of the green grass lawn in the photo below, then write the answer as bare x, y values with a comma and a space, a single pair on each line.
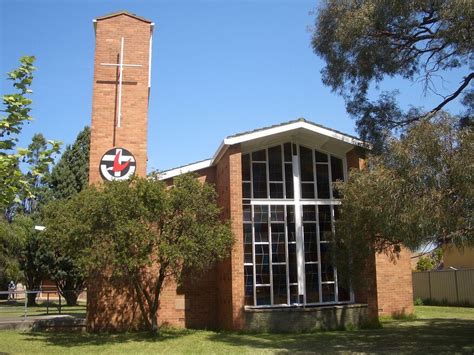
435, 330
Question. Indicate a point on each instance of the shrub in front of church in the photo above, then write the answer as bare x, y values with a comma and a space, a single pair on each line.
127, 227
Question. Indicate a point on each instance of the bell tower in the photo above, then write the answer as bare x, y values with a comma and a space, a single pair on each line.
122, 69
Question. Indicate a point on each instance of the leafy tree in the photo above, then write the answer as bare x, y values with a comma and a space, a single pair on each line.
17, 109
36, 189
363, 42
126, 228
10, 247
20, 254
430, 261
71, 174
61, 251
20, 192
419, 193
60, 259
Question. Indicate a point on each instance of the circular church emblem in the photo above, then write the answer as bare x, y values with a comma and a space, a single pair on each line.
117, 164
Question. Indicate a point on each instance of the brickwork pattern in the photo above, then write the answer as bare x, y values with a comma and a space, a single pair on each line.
132, 134
231, 271
394, 284
387, 285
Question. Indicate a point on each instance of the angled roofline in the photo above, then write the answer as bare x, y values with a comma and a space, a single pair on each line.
185, 169
299, 123
118, 13
126, 13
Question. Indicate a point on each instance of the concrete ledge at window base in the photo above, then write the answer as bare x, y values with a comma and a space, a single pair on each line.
299, 319
55, 323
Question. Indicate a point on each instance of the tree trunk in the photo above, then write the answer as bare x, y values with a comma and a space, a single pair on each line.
71, 297
70, 289
32, 299
154, 324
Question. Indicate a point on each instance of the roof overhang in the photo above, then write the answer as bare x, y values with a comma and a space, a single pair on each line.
119, 13
290, 129
300, 130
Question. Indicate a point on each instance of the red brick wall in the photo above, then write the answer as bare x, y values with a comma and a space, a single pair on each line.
394, 284
387, 285
111, 303
204, 175
132, 134
231, 271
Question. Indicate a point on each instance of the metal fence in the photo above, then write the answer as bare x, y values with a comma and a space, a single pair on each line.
445, 286
14, 304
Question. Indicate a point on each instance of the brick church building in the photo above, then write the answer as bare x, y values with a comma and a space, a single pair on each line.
274, 184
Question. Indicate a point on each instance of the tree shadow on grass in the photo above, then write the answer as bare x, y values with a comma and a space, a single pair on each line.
72, 339
419, 336
425, 336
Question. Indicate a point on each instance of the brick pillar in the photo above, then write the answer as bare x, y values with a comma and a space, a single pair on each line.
112, 305
387, 285
394, 284
366, 292
231, 292
132, 133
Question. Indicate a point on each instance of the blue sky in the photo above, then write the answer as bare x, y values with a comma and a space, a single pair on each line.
219, 68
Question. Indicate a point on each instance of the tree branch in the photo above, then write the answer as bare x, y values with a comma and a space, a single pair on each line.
455, 94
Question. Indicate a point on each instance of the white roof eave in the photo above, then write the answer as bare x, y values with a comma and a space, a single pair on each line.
229, 141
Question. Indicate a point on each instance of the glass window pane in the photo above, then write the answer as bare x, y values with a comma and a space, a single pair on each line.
322, 177
248, 253
287, 152
310, 242
248, 243
276, 190
292, 263
336, 212
260, 213
247, 213
289, 180
259, 180
275, 164
248, 233
278, 243
263, 295
320, 157
248, 277
343, 293
307, 190
262, 264
306, 164
312, 283
327, 270
290, 214
325, 232
261, 232
328, 293
337, 173
246, 167
277, 213
291, 232
309, 213
260, 155
246, 190
279, 285
293, 294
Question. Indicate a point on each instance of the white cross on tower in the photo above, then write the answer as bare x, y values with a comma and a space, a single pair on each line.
120, 65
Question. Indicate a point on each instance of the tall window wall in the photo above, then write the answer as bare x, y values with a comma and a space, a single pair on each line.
289, 211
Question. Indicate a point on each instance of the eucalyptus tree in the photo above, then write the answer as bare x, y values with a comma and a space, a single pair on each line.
365, 42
